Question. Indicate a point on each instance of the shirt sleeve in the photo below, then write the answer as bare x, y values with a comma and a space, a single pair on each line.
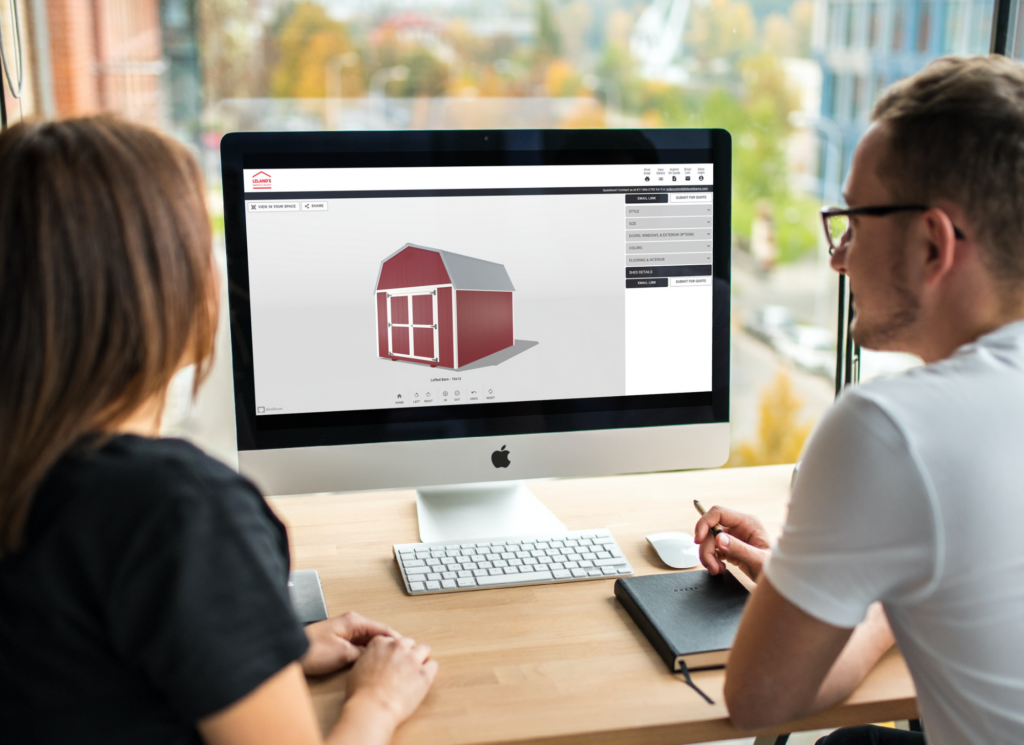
199, 600
860, 526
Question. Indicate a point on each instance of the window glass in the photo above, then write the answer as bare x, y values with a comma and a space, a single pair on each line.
792, 80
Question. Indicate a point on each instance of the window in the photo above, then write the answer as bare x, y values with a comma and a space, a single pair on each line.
924, 22
795, 90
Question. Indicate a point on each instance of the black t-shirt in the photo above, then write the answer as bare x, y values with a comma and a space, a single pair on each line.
150, 592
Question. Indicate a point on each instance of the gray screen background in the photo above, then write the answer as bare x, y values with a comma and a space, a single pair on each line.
312, 277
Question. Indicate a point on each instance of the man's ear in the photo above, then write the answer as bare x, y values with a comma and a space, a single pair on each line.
942, 245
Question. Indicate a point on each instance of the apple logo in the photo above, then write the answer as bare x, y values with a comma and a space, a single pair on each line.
500, 458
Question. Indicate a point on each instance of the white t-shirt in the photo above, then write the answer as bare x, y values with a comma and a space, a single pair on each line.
911, 492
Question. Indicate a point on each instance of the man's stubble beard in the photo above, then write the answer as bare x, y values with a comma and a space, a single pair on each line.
885, 335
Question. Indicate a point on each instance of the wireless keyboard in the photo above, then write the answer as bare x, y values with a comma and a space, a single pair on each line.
443, 566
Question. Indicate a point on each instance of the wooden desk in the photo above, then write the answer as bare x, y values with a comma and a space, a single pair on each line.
557, 663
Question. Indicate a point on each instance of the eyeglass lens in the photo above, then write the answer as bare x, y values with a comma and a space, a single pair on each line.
837, 225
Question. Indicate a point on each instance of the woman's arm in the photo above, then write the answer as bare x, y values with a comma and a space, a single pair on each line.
385, 686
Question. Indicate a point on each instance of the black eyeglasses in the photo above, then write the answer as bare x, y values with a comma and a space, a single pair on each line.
837, 219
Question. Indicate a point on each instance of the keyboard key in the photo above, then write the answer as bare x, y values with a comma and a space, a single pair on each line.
434, 575
543, 544
579, 572
501, 563
511, 570
417, 586
561, 573
485, 564
515, 562
586, 563
465, 573
609, 570
495, 572
466, 582
413, 563
604, 539
406, 549
479, 572
448, 575
417, 578
508, 555
524, 577
529, 561
544, 560
590, 556
433, 585
571, 564
603, 555
470, 565
594, 572
433, 562
609, 562
448, 584
555, 565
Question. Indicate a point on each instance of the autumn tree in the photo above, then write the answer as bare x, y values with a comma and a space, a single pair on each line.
308, 45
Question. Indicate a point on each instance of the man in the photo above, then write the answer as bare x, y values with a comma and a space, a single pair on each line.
905, 511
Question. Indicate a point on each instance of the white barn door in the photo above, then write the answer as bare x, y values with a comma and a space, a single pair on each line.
412, 324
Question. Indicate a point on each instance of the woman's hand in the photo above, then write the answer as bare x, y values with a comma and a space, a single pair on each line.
340, 641
743, 542
392, 676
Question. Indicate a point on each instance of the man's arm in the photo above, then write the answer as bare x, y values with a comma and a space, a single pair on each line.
786, 664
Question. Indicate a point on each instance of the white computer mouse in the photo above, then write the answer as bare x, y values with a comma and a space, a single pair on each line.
676, 549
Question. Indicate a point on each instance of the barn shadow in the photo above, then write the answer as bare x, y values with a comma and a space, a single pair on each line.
492, 360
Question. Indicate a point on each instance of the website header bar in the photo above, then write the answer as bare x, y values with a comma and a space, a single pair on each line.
261, 181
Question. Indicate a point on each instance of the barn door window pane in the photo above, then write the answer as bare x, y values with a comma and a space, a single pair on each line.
423, 309
400, 309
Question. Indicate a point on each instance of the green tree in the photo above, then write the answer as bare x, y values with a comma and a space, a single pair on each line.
549, 40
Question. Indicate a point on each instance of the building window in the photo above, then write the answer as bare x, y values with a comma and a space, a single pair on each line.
897, 28
873, 25
924, 23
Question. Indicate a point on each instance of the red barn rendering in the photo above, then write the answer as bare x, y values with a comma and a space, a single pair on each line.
441, 308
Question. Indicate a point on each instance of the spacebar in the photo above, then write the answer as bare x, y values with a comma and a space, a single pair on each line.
511, 579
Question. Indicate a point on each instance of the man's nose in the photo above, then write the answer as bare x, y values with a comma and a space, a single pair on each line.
838, 258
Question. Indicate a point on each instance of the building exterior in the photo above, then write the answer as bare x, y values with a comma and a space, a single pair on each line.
442, 308
864, 46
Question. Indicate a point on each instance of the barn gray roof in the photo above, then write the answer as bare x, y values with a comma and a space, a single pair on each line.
466, 272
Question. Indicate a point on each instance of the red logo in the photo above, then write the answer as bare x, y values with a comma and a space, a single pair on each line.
261, 180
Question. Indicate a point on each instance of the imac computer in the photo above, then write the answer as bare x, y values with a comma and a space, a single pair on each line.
457, 311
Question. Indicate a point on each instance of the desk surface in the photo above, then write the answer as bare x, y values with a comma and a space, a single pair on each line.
556, 663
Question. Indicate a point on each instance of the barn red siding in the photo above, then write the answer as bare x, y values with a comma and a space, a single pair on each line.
400, 339
485, 323
413, 267
382, 324
445, 338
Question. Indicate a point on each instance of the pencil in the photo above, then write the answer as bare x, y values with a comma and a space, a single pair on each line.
715, 529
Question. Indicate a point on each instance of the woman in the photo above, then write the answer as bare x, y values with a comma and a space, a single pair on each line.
142, 584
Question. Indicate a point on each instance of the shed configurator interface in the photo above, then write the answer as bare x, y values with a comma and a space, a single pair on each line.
435, 286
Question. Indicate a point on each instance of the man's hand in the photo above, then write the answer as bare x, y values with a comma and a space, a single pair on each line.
340, 641
743, 542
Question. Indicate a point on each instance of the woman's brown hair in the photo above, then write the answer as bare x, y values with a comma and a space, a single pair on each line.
107, 286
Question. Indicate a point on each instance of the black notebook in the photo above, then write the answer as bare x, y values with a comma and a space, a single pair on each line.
690, 617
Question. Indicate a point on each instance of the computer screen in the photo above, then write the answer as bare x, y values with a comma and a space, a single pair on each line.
409, 288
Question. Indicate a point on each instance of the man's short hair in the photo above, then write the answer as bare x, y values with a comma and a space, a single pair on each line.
957, 132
